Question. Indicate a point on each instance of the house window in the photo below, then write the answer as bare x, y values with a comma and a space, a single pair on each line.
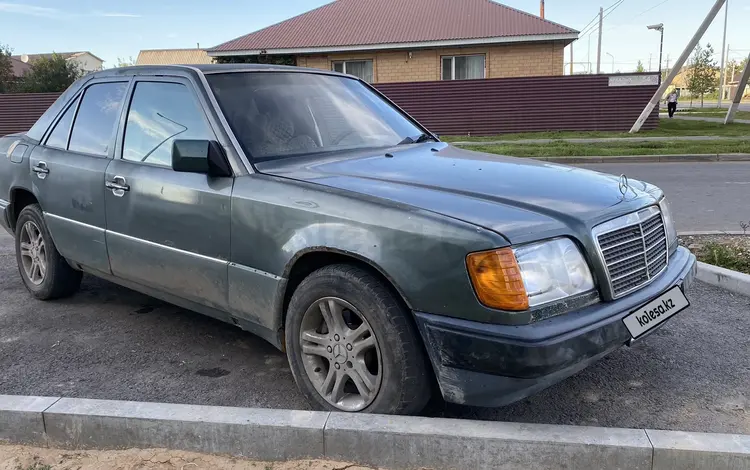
359, 68
463, 67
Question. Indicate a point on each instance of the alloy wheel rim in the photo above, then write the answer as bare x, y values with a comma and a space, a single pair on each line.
33, 253
341, 354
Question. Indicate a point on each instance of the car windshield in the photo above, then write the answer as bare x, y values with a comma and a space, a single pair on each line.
276, 114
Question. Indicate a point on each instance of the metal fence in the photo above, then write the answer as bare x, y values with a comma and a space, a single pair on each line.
471, 107
19, 111
498, 106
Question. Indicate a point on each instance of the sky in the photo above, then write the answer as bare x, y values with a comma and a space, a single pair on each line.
112, 30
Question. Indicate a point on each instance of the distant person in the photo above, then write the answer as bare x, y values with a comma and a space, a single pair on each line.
672, 103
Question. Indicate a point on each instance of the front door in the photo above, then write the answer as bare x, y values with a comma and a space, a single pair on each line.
167, 230
68, 173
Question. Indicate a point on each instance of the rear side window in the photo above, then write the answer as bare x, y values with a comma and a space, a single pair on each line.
59, 136
160, 113
93, 130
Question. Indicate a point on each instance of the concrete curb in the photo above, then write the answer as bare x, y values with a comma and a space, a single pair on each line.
730, 157
393, 442
733, 281
711, 232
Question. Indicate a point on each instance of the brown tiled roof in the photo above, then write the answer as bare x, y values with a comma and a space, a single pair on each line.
173, 56
390, 22
19, 68
64, 55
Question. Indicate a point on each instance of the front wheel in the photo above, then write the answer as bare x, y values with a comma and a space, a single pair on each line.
45, 273
352, 346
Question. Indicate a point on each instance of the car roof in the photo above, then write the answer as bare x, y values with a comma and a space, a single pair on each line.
210, 69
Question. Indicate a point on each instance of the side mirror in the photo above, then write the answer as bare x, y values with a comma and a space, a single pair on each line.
200, 156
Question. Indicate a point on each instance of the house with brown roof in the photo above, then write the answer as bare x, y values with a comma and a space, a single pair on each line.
410, 40
85, 60
19, 67
173, 56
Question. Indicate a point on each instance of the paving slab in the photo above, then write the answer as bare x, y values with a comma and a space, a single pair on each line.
21, 420
676, 450
414, 442
247, 432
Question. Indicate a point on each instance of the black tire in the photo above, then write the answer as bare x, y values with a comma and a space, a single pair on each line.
406, 374
60, 279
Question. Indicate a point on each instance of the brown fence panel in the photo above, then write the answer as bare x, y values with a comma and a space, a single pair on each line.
462, 107
19, 111
497, 106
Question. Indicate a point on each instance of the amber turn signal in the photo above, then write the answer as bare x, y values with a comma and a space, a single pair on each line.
497, 279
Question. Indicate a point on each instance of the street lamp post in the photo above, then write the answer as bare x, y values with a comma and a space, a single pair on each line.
613, 62
659, 27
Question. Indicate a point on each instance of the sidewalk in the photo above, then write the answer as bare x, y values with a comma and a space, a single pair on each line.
595, 140
703, 118
370, 440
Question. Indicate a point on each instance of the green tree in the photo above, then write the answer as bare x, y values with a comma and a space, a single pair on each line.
702, 73
125, 62
7, 79
640, 68
48, 75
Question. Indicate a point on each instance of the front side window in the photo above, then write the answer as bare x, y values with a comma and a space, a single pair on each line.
276, 114
59, 136
159, 113
463, 67
359, 68
93, 130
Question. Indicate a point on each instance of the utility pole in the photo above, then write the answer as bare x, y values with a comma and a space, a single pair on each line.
649, 62
599, 49
677, 66
722, 72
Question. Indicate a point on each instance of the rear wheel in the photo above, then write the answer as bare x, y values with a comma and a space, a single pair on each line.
45, 273
352, 346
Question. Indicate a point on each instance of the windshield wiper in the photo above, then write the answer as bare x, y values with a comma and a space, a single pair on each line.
418, 140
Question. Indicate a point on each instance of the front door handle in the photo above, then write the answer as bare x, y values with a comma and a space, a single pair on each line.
41, 170
118, 185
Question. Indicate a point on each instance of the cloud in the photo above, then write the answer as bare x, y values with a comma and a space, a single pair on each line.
172, 35
32, 10
108, 14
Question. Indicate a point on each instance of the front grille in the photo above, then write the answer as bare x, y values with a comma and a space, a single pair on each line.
634, 249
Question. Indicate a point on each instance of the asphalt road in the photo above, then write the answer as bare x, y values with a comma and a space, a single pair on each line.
111, 343
704, 196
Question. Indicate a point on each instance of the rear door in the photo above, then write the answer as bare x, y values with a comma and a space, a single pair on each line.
167, 230
68, 172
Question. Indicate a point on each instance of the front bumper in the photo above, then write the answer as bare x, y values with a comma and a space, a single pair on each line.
494, 365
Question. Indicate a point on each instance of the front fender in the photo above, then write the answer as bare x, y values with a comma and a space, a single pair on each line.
275, 221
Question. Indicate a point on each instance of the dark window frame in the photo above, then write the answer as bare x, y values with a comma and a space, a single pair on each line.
128, 102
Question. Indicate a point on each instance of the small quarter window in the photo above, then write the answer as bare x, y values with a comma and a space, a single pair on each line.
59, 136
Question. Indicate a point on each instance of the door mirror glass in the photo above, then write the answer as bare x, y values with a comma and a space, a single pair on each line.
199, 156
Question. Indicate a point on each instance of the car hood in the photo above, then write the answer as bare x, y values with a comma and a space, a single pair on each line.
522, 199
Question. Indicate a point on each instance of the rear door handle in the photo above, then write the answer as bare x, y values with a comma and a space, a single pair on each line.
118, 185
41, 170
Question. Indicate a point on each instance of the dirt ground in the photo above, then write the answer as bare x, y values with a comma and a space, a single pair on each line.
36, 458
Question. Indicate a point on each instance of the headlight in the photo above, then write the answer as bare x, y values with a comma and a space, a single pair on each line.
530, 275
666, 214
